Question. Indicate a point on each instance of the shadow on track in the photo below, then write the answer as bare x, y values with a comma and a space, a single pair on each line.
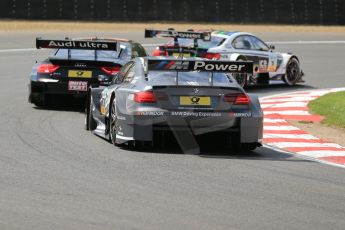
215, 152
64, 103
277, 88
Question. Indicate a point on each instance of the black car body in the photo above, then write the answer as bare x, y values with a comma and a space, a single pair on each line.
188, 97
78, 64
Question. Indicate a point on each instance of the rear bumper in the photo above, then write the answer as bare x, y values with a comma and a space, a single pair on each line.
53, 88
143, 128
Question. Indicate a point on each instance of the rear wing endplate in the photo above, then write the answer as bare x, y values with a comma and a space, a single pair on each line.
76, 44
245, 67
206, 36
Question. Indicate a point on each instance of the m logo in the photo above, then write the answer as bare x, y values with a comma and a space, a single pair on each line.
180, 65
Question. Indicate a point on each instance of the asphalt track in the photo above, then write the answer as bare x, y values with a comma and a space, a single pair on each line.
55, 175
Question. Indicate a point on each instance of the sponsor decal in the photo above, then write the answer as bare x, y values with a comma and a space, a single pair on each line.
75, 44
179, 114
150, 113
77, 85
247, 114
206, 66
178, 34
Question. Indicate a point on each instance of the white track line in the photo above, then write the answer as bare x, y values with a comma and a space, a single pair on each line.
306, 42
281, 127
291, 136
289, 112
325, 153
17, 50
302, 144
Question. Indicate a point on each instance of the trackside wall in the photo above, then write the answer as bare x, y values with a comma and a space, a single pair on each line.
317, 12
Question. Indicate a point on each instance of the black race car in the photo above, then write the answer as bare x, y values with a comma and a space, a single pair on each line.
188, 97
78, 64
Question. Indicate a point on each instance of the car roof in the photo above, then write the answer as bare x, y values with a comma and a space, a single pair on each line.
229, 34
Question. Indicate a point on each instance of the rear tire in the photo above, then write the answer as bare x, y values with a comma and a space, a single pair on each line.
248, 146
293, 72
38, 99
87, 113
237, 145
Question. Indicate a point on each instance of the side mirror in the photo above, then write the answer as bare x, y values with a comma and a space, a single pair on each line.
272, 47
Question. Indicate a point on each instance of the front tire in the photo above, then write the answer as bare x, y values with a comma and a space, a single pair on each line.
293, 72
90, 123
112, 122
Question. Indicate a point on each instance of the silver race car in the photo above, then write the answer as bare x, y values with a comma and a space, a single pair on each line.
233, 46
186, 97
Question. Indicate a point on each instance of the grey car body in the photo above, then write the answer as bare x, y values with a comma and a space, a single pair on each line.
188, 97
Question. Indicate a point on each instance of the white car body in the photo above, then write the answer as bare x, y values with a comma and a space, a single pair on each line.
267, 62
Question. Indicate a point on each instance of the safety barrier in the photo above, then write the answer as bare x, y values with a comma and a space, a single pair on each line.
319, 12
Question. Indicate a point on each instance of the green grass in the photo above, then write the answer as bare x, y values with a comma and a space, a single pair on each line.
332, 107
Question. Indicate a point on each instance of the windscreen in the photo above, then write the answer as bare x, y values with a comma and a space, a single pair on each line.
194, 78
185, 42
100, 55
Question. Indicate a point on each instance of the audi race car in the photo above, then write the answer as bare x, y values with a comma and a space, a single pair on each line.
186, 97
233, 46
77, 64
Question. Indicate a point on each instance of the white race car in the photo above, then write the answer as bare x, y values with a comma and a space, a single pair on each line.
234, 46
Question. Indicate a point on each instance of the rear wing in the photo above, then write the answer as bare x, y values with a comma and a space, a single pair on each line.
244, 67
206, 36
76, 44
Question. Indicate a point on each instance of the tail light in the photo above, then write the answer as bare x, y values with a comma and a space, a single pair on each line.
159, 52
212, 56
111, 70
47, 68
230, 98
144, 97
237, 99
242, 99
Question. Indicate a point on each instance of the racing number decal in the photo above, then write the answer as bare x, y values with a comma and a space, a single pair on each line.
272, 65
263, 63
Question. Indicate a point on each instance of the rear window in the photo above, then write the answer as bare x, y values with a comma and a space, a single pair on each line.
214, 42
105, 55
188, 78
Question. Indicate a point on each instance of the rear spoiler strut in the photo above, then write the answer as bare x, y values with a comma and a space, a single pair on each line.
178, 65
206, 36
